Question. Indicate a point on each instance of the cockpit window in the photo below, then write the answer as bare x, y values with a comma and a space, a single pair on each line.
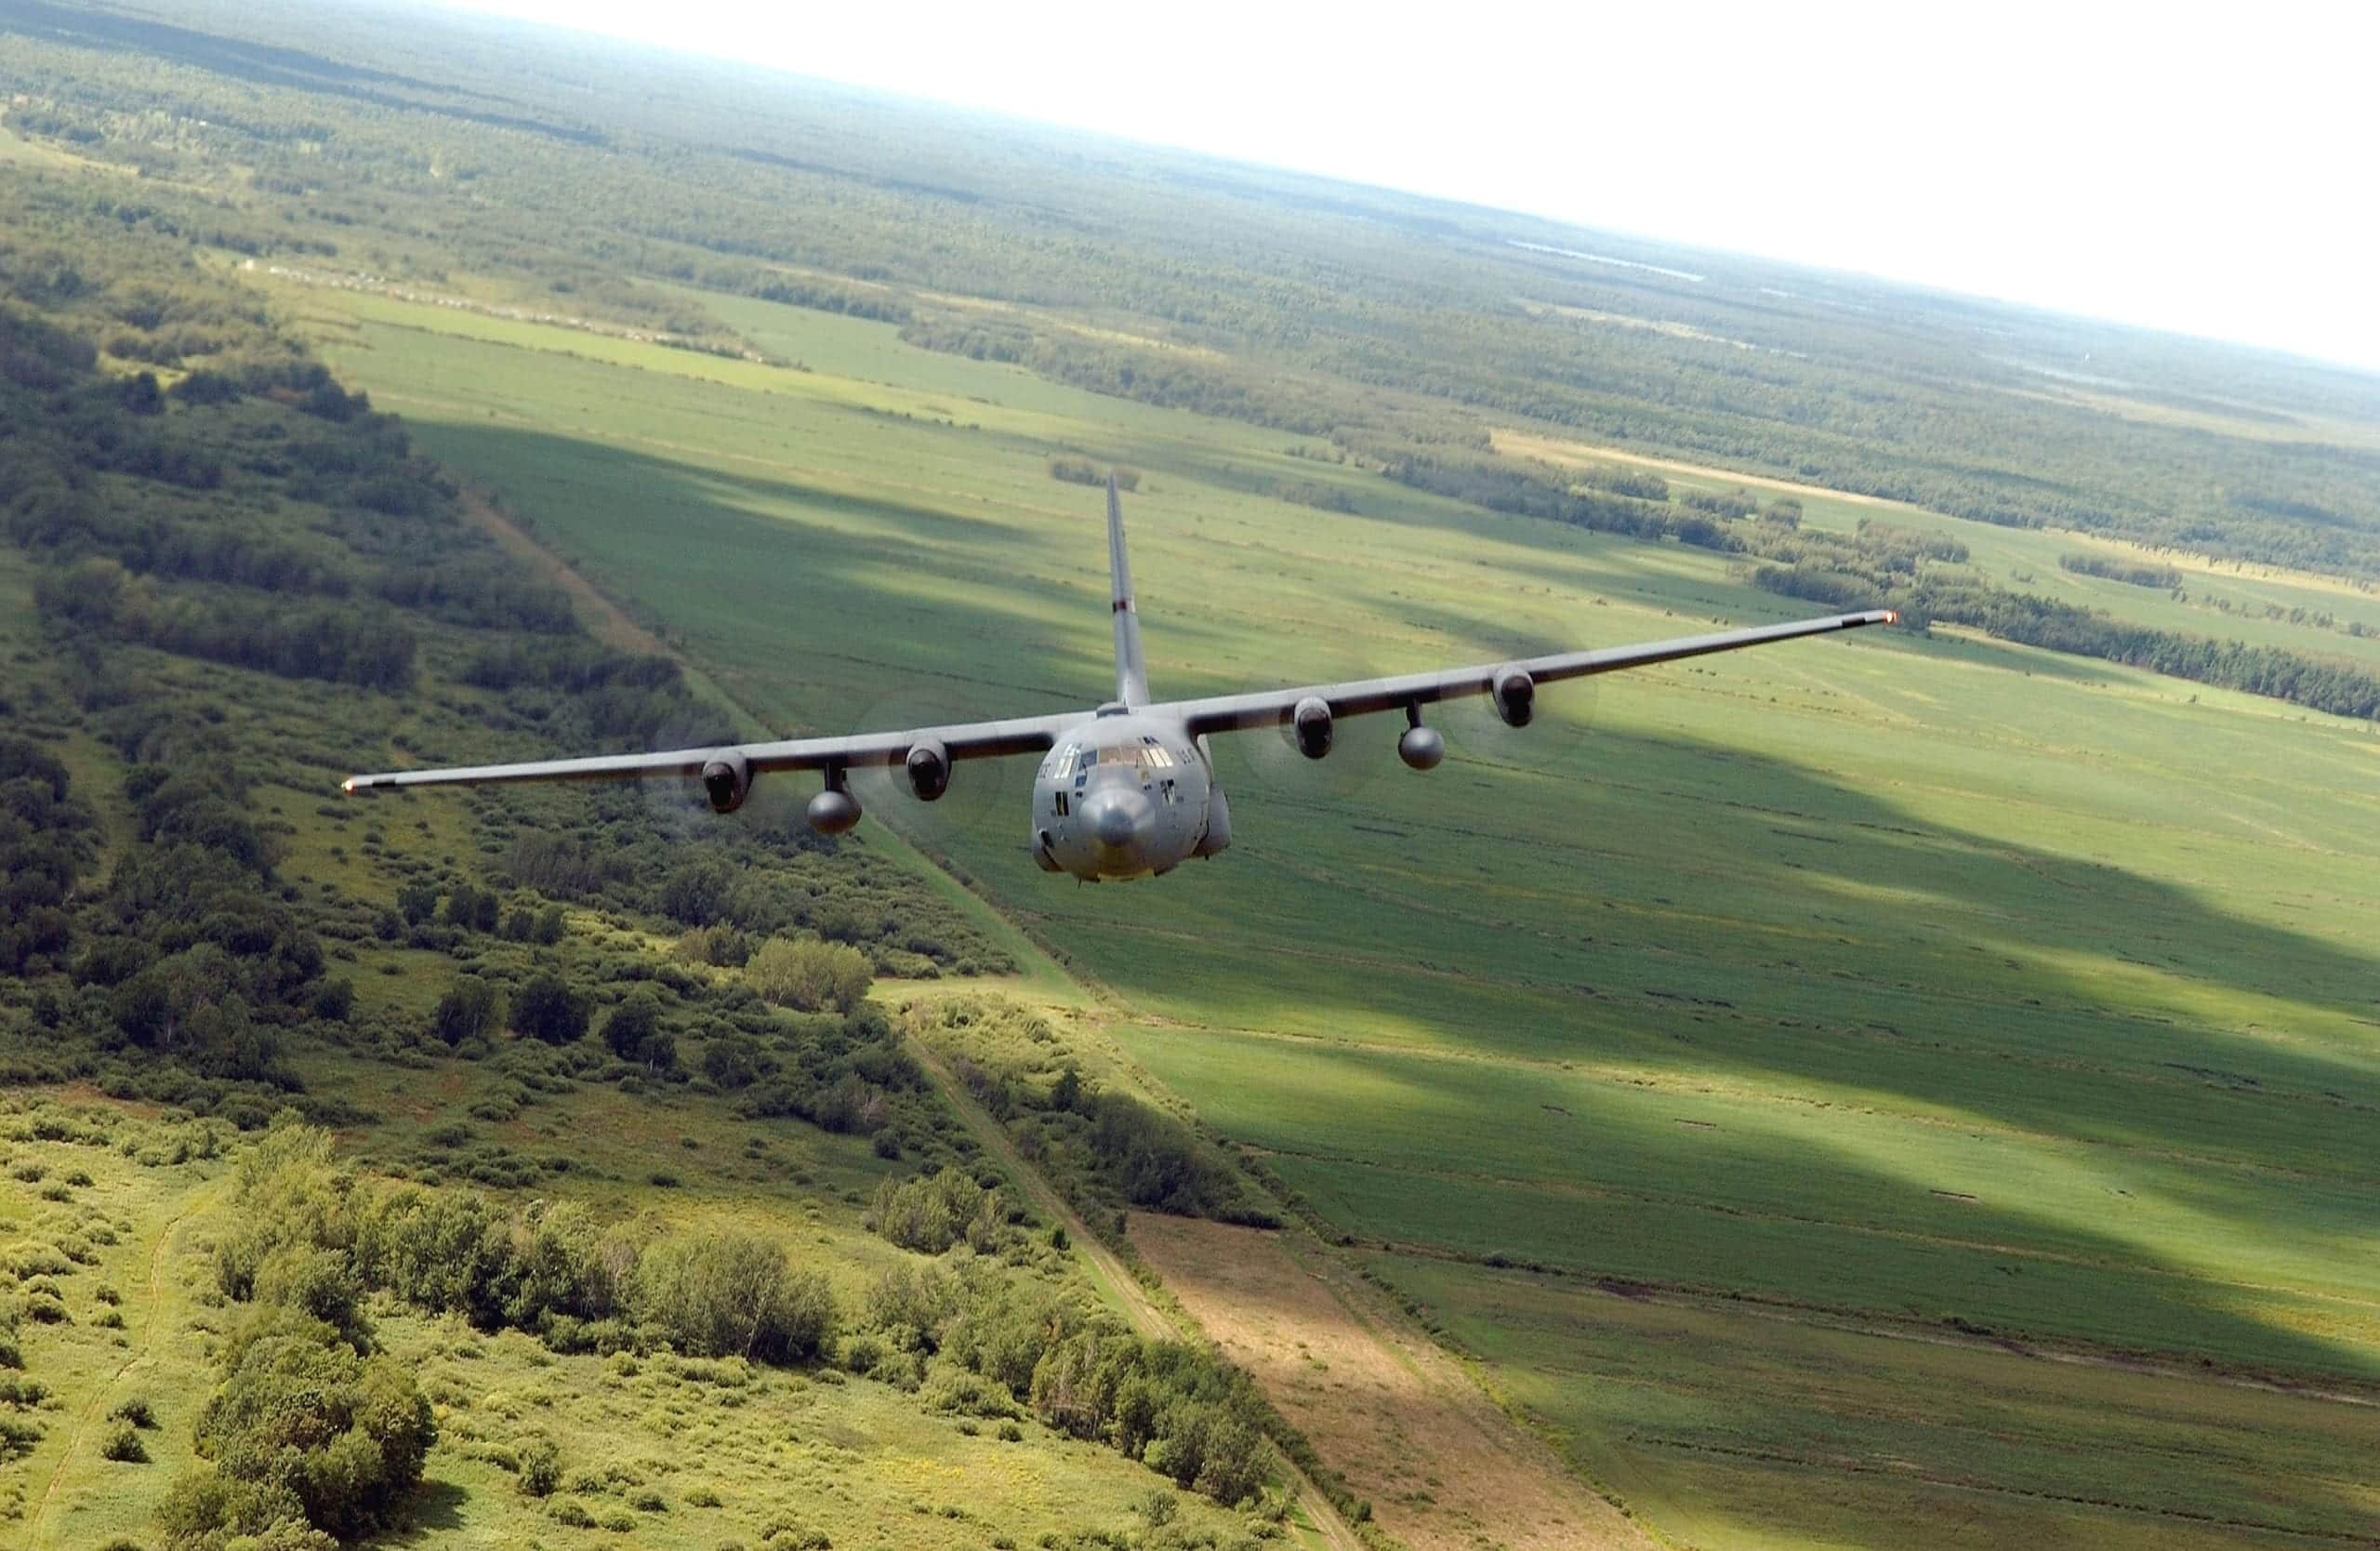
1148, 756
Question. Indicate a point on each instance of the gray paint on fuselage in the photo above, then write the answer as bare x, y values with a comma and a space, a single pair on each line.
1122, 796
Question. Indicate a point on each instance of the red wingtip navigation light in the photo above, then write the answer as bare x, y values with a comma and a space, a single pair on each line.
1892, 616
348, 786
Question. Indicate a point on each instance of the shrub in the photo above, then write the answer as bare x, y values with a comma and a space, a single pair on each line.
571, 1512
911, 1305
123, 1445
16, 1439
300, 1419
719, 945
733, 1294
632, 1028
932, 1212
809, 975
468, 1010
548, 1009
541, 1468
732, 1060
861, 1353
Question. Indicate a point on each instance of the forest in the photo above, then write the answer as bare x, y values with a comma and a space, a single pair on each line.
1392, 317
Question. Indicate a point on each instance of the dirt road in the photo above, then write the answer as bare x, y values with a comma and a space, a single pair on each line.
1445, 1468
1145, 1315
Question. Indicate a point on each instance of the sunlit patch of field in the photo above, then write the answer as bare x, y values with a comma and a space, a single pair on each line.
16, 151
1622, 319
1879, 979
2026, 561
2243, 420
105, 1213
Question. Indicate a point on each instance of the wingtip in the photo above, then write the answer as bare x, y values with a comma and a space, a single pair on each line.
1892, 616
348, 786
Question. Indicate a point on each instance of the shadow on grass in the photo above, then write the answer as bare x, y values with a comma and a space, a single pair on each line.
438, 1510
1686, 908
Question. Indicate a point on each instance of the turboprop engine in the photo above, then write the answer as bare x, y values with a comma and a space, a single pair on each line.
727, 780
1310, 721
1516, 696
929, 768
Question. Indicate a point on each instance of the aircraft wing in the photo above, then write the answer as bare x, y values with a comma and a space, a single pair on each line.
974, 740
1274, 707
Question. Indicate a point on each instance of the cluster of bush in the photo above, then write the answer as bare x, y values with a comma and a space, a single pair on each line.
45, 842
781, 879
1082, 470
1103, 1149
2132, 572
980, 1341
548, 1269
1880, 567
310, 1437
190, 952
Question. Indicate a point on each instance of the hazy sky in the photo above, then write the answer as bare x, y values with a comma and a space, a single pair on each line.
2207, 169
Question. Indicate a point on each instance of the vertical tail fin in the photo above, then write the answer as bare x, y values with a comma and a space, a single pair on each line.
1132, 676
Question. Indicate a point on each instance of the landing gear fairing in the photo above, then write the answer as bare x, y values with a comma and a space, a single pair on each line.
1128, 790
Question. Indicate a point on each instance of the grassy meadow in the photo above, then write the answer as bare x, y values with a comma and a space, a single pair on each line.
1896, 1015
656, 1451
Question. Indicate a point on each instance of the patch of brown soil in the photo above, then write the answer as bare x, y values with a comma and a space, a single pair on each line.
1555, 450
1445, 1468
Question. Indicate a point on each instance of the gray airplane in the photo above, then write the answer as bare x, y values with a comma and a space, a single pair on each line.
1128, 790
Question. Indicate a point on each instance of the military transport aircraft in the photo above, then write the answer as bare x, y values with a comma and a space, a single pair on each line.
1128, 790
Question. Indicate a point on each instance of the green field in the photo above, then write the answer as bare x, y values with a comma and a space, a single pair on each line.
2015, 1002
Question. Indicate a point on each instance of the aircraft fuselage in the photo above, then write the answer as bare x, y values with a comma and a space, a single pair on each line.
1126, 795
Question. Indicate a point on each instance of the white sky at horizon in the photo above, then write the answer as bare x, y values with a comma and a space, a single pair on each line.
2178, 167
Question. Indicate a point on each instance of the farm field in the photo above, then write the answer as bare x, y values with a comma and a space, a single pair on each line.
1938, 986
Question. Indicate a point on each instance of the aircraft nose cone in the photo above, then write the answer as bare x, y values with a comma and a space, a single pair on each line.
1118, 819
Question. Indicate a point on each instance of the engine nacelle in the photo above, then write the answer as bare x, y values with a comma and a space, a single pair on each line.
1311, 721
727, 780
831, 813
1516, 696
929, 767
